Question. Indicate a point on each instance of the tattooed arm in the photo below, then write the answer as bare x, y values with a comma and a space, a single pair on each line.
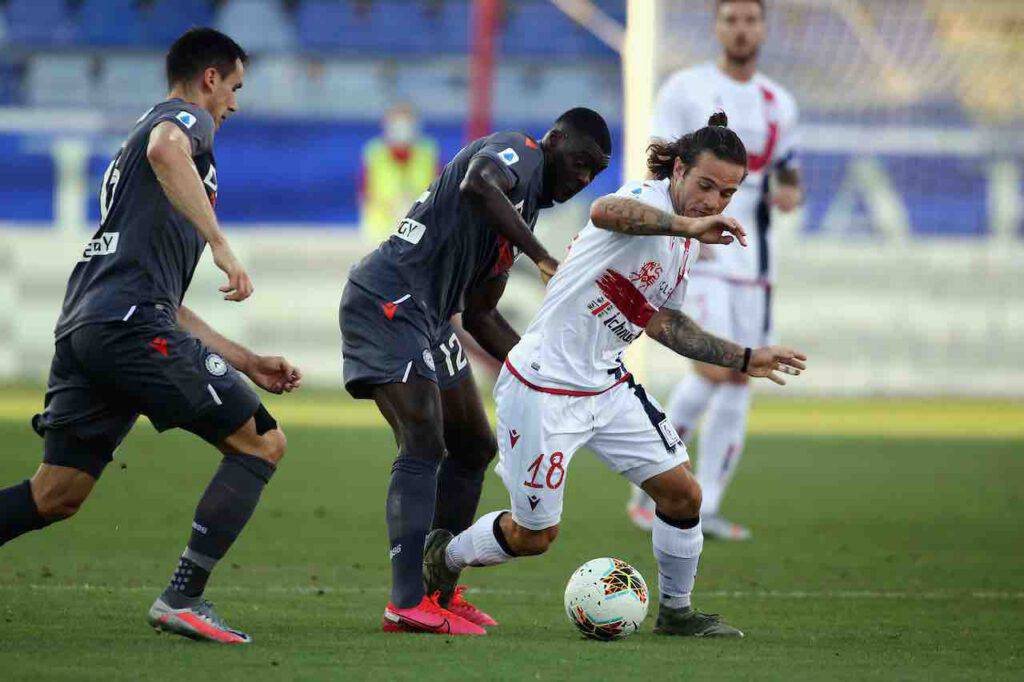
678, 332
629, 216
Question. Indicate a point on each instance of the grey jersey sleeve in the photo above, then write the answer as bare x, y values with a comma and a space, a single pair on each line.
516, 154
195, 122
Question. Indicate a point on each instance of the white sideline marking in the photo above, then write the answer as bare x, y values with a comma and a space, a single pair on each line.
992, 595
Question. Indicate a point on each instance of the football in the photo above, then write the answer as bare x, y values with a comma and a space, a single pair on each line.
606, 599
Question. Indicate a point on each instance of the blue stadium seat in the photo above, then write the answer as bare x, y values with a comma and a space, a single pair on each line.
258, 25
537, 27
110, 23
531, 92
40, 23
392, 26
59, 80
276, 84
350, 89
165, 20
438, 88
131, 82
11, 78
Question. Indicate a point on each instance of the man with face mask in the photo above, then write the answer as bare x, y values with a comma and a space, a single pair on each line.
564, 385
731, 290
397, 167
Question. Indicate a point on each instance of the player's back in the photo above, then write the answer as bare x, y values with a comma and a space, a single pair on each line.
443, 247
144, 251
601, 299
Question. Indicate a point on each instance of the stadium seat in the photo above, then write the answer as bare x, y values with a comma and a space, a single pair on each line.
164, 20
132, 82
110, 23
392, 26
350, 89
537, 27
531, 92
438, 88
3, 29
258, 25
275, 84
59, 80
40, 23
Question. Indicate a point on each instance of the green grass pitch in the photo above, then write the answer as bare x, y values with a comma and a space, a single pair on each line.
874, 557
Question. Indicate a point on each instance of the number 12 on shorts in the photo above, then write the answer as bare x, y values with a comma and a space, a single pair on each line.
555, 474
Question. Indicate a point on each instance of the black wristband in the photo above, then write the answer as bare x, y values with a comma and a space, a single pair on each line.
746, 360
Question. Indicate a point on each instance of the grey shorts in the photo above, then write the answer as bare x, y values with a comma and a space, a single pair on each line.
104, 375
388, 341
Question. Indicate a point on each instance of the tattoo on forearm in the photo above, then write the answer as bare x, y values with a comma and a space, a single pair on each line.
635, 218
684, 336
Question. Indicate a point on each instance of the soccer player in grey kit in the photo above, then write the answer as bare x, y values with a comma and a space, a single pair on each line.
126, 346
451, 254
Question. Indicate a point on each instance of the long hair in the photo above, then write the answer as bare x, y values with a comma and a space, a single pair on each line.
716, 138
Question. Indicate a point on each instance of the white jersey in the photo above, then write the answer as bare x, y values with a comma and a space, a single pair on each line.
764, 115
600, 301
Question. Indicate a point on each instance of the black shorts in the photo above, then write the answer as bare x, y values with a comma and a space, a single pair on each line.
385, 341
104, 375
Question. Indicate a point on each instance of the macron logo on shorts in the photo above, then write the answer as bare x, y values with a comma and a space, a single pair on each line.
188, 119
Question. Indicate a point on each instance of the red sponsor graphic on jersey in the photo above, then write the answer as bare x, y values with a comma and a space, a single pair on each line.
159, 344
506, 257
389, 310
626, 297
513, 437
530, 142
647, 275
756, 162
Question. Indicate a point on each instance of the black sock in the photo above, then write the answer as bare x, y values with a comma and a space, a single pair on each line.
458, 494
410, 508
224, 509
18, 513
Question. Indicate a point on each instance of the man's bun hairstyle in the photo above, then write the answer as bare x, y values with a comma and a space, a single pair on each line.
716, 138
196, 50
590, 123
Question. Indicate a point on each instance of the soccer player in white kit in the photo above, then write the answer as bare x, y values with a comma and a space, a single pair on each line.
730, 292
563, 386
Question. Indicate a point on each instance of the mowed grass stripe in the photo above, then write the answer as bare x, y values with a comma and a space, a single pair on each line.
892, 418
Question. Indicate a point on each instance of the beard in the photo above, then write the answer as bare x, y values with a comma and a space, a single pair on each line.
743, 55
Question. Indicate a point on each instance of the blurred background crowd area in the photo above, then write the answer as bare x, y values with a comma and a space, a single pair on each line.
903, 268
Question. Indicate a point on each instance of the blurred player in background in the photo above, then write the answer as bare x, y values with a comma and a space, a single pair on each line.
452, 253
397, 165
564, 385
731, 289
126, 346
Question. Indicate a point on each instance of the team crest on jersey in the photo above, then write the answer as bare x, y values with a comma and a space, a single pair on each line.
647, 275
428, 359
188, 119
215, 365
509, 156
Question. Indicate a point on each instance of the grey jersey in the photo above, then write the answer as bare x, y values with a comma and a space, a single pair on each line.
444, 246
144, 251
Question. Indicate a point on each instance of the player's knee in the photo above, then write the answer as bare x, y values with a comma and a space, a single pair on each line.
422, 439
682, 502
56, 505
273, 445
526, 542
478, 450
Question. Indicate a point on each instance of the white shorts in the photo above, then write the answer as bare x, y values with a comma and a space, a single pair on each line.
735, 311
539, 432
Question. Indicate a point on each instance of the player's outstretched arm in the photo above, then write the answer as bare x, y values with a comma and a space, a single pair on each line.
271, 373
488, 187
484, 323
170, 155
629, 216
678, 332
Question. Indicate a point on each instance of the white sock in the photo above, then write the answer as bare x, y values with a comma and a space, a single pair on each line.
721, 443
477, 545
678, 553
687, 403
